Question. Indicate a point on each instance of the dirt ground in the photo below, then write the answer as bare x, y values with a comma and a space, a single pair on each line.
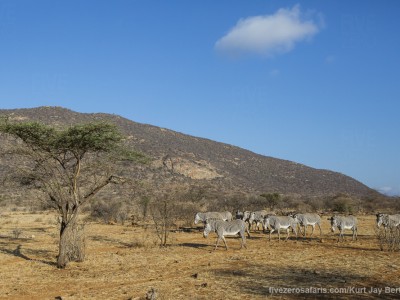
122, 262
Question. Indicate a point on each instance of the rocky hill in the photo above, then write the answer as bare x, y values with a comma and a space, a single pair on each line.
201, 161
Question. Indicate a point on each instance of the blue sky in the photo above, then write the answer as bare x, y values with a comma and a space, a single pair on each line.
315, 82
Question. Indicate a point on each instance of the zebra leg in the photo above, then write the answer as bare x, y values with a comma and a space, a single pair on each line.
320, 230
216, 243
341, 235
248, 232
287, 230
243, 240
226, 246
301, 230
312, 232
270, 232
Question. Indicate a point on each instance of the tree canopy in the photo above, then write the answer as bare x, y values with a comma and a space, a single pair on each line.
70, 165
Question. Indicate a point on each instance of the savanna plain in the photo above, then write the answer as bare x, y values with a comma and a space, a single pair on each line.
125, 262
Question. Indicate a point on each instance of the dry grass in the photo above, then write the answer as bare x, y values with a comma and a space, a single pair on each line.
122, 262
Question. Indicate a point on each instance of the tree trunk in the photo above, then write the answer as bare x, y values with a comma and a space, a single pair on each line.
62, 259
71, 246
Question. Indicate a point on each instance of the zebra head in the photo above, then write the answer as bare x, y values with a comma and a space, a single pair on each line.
197, 218
266, 221
239, 215
379, 219
294, 216
207, 229
333, 223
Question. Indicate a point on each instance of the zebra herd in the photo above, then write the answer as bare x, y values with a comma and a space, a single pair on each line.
223, 224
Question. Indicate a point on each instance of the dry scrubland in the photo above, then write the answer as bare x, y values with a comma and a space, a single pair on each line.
122, 262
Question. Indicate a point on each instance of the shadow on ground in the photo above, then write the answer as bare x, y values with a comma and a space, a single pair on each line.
27, 253
304, 283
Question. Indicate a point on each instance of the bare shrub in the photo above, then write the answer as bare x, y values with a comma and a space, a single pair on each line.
185, 211
388, 238
166, 209
16, 232
163, 215
146, 240
112, 211
144, 204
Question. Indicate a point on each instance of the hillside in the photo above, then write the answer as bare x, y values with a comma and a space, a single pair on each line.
201, 161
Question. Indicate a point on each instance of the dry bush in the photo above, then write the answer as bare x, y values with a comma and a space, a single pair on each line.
111, 211
147, 239
163, 213
16, 232
186, 211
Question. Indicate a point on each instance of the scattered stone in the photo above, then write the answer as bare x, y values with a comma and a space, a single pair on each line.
151, 294
195, 275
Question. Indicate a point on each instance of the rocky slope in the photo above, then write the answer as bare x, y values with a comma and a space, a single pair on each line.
202, 161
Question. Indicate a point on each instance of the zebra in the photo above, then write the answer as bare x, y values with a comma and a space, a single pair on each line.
308, 219
258, 218
200, 216
343, 223
239, 215
243, 215
222, 228
280, 222
388, 221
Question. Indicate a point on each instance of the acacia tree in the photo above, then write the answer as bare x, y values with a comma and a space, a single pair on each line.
273, 199
70, 165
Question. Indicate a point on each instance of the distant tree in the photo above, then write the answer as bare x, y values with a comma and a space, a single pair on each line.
70, 165
273, 199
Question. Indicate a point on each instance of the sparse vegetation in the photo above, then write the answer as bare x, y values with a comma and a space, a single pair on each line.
70, 166
111, 211
125, 262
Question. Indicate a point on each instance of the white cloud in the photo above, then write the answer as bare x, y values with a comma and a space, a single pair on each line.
385, 189
390, 191
269, 35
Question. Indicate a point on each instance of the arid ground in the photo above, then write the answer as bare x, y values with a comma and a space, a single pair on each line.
123, 262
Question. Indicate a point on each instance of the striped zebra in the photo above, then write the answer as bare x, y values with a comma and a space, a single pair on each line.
200, 216
343, 223
222, 228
